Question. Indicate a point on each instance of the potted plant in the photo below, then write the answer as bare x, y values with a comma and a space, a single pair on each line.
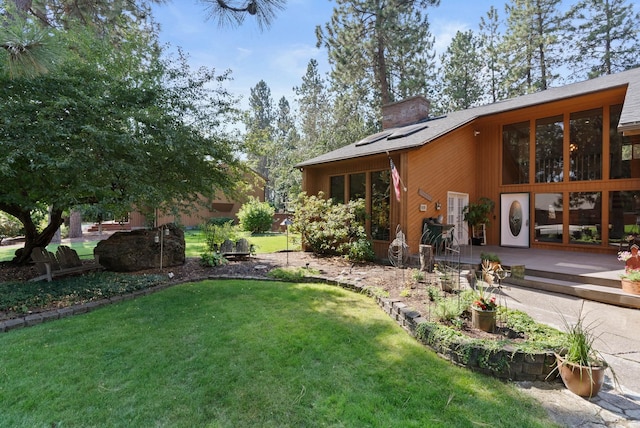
630, 279
476, 214
492, 258
580, 365
483, 310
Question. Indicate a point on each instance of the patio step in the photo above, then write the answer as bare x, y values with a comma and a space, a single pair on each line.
589, 288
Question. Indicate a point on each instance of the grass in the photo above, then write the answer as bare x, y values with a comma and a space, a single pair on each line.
194, 241
243, 353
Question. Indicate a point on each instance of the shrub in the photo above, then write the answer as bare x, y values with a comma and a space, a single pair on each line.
256, 216
215, 234
9, 227
332, 229
220, 221
212, 259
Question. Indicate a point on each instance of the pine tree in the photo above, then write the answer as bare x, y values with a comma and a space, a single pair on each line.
490, 40
461, 72
315, 112
532, 43
259, 122
286, 180
380, 51
606, 37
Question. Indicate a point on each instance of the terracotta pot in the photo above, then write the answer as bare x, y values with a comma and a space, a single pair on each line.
483, 320
632, 287
581, 380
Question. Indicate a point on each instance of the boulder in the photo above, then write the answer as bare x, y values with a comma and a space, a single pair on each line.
138, 249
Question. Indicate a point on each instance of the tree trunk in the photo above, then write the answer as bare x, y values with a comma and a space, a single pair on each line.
32, 237
75, 224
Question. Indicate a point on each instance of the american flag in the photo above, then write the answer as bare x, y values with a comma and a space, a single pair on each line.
396, 179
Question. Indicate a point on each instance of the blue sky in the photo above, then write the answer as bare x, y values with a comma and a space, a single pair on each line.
279, 55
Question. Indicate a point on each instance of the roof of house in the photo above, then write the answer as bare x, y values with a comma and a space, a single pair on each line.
416, 135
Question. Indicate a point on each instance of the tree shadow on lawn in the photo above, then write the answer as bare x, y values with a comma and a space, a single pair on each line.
243, 353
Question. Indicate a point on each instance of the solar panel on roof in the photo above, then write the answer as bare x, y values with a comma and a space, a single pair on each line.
373, 138
407, 130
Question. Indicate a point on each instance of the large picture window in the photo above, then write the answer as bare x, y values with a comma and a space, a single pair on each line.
357, 186
585, 145
549, 142
548, 217
625, 151
380, 187
585, 218
624, 217
515, 153
337, 189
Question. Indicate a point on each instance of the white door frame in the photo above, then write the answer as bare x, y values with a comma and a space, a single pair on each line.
456, 202
514, 220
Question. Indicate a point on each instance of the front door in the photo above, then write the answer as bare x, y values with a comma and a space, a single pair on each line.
514, 219
455, 204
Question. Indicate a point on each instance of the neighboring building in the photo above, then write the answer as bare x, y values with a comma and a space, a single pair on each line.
221, 206
562, 165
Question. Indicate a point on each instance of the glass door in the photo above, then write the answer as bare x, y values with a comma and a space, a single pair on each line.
455, 204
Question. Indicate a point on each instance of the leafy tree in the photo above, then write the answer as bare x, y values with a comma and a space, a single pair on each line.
101, 129
379, 50
461, 72
606, 37
532, 41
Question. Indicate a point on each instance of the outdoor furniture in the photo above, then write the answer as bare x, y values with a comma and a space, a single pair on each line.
239, 249
64, 262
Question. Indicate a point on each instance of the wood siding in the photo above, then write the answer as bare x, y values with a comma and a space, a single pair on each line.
219, 207
468, 160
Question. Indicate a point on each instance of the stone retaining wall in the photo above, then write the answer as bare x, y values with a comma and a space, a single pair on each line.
503, 363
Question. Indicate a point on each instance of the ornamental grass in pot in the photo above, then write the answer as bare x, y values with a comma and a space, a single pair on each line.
580, 365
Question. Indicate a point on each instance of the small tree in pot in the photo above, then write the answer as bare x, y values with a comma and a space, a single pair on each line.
476, 214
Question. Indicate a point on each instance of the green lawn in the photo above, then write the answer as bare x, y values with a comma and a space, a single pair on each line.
243, 354
195, 245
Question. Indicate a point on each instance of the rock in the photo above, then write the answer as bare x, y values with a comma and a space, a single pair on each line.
138, 250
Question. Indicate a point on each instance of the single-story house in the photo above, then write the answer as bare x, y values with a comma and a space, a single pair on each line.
219, 206
561, 165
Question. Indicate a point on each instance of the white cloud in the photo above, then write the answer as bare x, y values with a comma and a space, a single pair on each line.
444, 31
294, 59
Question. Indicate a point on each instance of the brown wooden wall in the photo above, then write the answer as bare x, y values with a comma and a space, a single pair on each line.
468, 160
445, 165
219, 207
490, 154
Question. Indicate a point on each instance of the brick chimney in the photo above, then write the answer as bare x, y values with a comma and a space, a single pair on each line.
405, 112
